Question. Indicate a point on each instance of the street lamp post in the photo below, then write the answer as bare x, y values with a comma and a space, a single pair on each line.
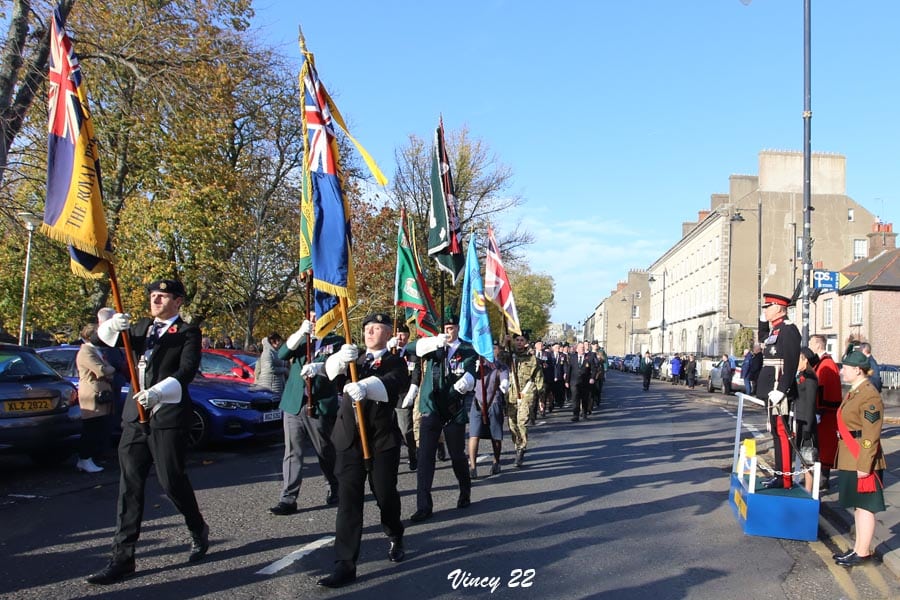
663, 322
30, 221
759, 217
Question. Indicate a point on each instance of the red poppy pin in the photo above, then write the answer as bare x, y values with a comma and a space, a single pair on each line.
172, 329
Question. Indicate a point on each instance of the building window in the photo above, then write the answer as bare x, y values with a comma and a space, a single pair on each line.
637, 295
800, 248
859, 249
827, 312
856, 310
850, 215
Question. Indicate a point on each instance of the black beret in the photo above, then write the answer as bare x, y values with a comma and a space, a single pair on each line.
169, 286
380, 318
402, 328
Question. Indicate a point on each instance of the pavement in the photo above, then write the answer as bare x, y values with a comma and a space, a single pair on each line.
887, 524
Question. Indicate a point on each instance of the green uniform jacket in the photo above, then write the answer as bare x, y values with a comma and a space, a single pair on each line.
323, 391
443, 399
526, 367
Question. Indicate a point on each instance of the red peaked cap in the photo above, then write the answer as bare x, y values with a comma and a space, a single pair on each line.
769, 299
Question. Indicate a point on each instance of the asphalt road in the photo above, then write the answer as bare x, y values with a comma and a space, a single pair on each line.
632, 503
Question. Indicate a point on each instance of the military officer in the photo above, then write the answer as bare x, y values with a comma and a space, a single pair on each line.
448, 380
777, 381
526, 381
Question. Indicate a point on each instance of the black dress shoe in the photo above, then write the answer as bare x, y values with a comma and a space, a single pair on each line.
852, 559
396, 553
843, 555
342, 576
473, 473
463, 502
774, 483
331, 497
112, 573
495, 468
199, 544
284, 508
413, 464
441, 452
420, 515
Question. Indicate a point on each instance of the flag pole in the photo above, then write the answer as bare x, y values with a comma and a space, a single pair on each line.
354, 377
484, 392
307, 277
126, 341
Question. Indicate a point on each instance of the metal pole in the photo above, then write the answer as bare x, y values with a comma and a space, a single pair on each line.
807, 122
759, 216
664, 312
30, 227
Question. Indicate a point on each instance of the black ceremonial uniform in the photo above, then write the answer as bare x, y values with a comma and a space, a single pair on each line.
781, 356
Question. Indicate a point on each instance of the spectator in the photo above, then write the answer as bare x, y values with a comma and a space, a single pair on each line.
726, 369
874, 371
805, 431
96, 399
676, 369
746, 366
271, 370
756, 364
690, 370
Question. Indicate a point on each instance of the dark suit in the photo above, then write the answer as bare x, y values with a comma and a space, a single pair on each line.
163, 442
405, 415
557, 379
384, 445
581, 371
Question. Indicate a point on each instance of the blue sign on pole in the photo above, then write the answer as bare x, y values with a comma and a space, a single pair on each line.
825, 280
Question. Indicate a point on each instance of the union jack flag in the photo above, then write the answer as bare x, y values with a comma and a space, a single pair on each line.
73, 210
496, 285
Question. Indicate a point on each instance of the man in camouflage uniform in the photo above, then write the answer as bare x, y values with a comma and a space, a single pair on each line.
526, 380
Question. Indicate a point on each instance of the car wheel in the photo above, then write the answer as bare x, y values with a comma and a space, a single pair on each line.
198, 433
709, 386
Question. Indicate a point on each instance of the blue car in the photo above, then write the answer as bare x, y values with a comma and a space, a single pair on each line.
223, 410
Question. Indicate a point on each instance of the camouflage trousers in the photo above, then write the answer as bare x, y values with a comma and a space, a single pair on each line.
517, 416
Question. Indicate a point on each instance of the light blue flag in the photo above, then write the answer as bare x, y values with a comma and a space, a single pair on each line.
474, 326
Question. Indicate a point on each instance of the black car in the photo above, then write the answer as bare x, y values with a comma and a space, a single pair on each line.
39, 412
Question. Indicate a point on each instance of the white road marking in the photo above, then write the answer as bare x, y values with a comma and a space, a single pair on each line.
295, 556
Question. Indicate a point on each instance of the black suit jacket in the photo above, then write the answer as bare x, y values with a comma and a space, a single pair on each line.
381, 426
176, 354
582, 371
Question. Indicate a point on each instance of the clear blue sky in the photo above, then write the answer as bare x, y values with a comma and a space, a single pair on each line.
618, 119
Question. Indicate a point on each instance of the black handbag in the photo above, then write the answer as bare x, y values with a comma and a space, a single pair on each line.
103, 397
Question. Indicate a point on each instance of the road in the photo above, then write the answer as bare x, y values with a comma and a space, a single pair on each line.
632, 503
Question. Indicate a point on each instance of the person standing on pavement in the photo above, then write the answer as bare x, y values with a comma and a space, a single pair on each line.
448, 377
646, 369
727, 373
806, 433
827, 404
404, 409
777, 382
860, 457
874, 370
756, 363
690, 369
304, 419
676, 369
167, 352
381, 378
745, 371
95, 397
526, 379
269, 371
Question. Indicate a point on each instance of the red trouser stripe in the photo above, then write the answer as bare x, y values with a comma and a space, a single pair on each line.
783, 450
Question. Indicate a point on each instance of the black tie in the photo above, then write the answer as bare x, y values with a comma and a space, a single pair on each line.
370, 358
153, 333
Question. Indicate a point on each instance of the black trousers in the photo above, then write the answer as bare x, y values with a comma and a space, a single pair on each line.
351, 475
581, 398
430, 428
558, 388
647, 380
94, 432
139, 449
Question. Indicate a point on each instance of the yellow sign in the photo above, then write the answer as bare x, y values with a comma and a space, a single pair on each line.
739, 502
750, 447
842, 280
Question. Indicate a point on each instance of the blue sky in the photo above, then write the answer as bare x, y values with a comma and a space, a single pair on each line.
618, 119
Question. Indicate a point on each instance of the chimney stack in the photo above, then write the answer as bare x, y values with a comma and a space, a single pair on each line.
882, 238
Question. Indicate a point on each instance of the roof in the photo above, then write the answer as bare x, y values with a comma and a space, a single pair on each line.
881, 272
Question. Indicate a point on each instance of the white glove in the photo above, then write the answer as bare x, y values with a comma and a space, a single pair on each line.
779, 402
348, 353
120, 322
336, 364
410, 397
775, 396
504, 386
464, 384
148, 398
430, 344
392, 343
310, 370
297, 337
356, 391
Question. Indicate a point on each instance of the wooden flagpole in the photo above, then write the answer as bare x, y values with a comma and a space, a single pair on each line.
126, 341
354, 377
307, 277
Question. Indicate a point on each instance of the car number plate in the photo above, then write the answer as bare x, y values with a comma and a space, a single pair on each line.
274, 415
28, 405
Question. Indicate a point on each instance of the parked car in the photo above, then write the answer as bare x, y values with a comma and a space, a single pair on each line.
714, 381
222, 411
39, 412
657, 365
228, 364
631, 363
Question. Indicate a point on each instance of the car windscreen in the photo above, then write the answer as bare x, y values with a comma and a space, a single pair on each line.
19, 366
